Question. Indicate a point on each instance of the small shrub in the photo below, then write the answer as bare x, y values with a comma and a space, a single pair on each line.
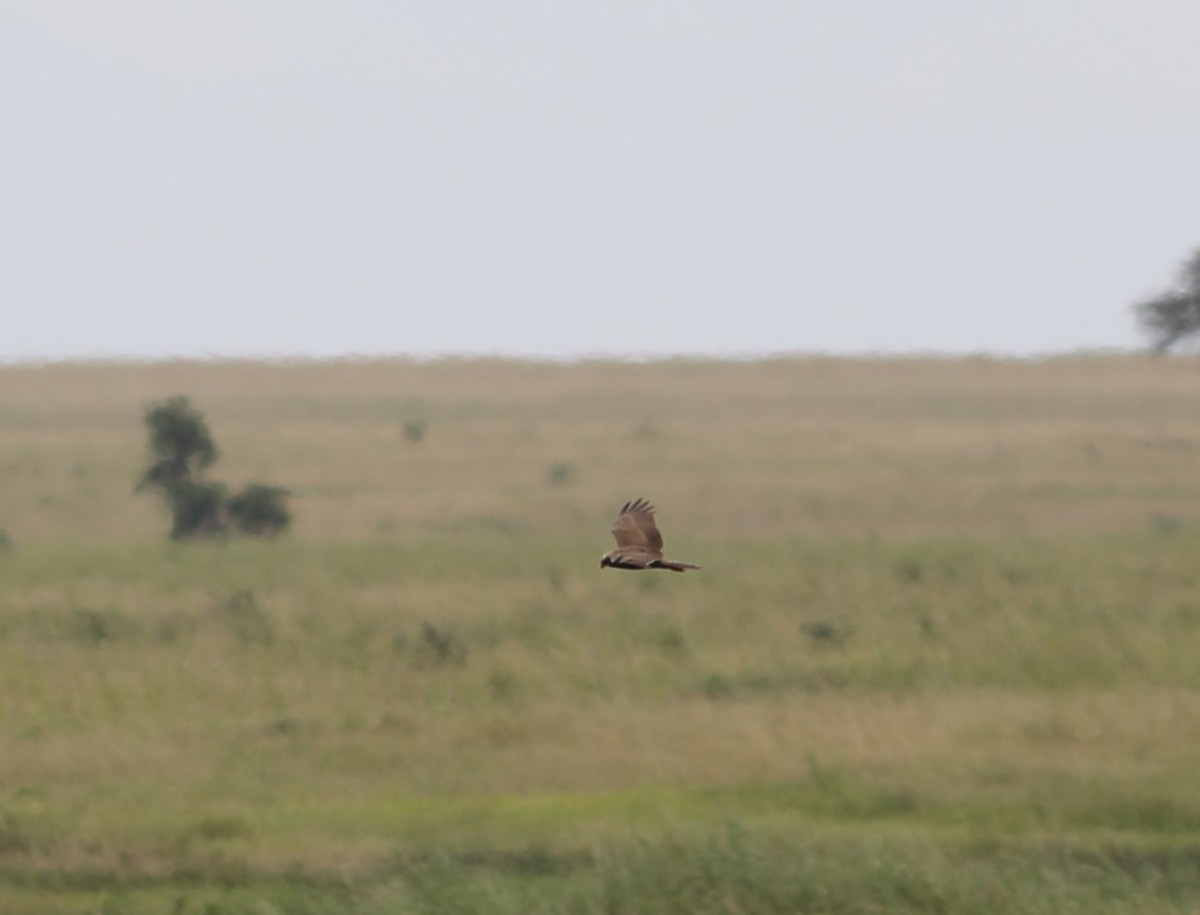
560, 473
222, 828
910, 570
672, 640
1166, 525
13, 841
92, 627
414, 430
1014, 575
174, 626
503, 685
647, 431
260, 510
824, 632
717, 686
443, 646
288, 726
1185, 614
245, 619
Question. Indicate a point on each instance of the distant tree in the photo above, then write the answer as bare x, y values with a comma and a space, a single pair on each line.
181, 450
260, 510
181, 446
1174, 314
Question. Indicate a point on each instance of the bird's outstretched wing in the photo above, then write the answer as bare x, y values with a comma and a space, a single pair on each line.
635, 527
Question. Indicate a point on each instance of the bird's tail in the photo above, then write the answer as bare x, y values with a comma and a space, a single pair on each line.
675, 566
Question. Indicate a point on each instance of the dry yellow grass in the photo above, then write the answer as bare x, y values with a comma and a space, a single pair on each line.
820, 446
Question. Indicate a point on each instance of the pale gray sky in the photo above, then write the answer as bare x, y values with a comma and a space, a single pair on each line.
244, 177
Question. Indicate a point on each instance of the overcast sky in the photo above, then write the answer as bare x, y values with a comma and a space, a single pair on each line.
243, 177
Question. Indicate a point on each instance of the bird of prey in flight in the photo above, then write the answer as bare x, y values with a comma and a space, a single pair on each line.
639, 544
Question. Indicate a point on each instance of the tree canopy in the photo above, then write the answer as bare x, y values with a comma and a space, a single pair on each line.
181, 450
1173, 314
180, 444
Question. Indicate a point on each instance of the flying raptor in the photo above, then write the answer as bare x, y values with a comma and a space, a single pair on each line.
639, 544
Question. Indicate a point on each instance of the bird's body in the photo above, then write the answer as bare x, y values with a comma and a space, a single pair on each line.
639, 543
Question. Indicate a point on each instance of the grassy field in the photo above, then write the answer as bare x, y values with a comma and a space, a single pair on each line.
943, 656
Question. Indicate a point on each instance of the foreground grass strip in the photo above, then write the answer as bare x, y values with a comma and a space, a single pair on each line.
730, 869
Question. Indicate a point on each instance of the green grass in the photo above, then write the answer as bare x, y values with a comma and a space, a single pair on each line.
235, 711
940, 658
729, 869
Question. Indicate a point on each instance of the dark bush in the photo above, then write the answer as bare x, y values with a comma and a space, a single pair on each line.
197, 510
260, 510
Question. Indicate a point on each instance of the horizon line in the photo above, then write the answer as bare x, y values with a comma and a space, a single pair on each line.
933, 354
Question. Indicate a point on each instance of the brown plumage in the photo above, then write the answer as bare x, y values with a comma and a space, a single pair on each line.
639, 544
